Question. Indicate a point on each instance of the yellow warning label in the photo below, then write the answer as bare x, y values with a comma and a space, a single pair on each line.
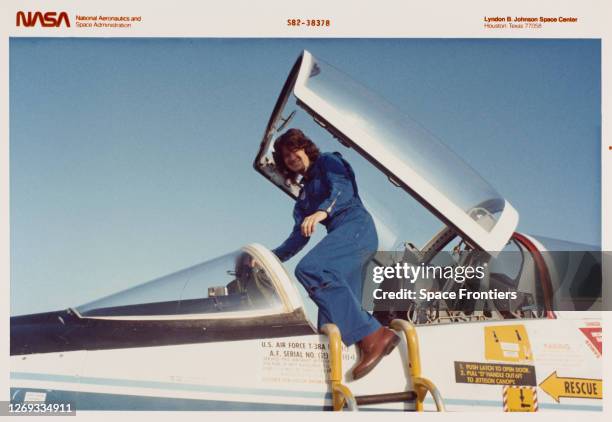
508, 343
520, 399
577, 388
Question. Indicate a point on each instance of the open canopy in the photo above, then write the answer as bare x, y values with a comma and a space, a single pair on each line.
409, 155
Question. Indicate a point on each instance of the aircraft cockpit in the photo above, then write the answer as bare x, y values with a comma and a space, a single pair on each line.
418, 190
246, 282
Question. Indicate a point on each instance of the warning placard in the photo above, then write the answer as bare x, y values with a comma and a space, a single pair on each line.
509, 343
520, 399
494, 374
594, 337
569, 387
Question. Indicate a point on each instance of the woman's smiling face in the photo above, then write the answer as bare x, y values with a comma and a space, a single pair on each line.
297, 160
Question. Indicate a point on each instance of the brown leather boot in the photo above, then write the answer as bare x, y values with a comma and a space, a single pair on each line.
372, 348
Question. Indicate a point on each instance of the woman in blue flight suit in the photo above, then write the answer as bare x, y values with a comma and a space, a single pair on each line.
332, 271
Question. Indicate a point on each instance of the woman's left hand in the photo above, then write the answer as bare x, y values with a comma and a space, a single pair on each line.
310, 222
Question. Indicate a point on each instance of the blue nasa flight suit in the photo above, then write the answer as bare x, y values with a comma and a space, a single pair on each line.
332, 271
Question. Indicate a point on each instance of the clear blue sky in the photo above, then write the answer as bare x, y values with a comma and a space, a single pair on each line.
132, 158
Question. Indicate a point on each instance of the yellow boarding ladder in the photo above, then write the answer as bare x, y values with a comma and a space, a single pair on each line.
342, 395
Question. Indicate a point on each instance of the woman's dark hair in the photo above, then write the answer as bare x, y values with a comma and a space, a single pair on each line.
292, 140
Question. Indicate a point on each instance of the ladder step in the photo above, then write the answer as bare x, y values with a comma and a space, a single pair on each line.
386, 398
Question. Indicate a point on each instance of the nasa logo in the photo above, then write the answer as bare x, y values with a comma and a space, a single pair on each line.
47, 19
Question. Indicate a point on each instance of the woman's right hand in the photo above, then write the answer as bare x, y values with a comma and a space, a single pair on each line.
310, 223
